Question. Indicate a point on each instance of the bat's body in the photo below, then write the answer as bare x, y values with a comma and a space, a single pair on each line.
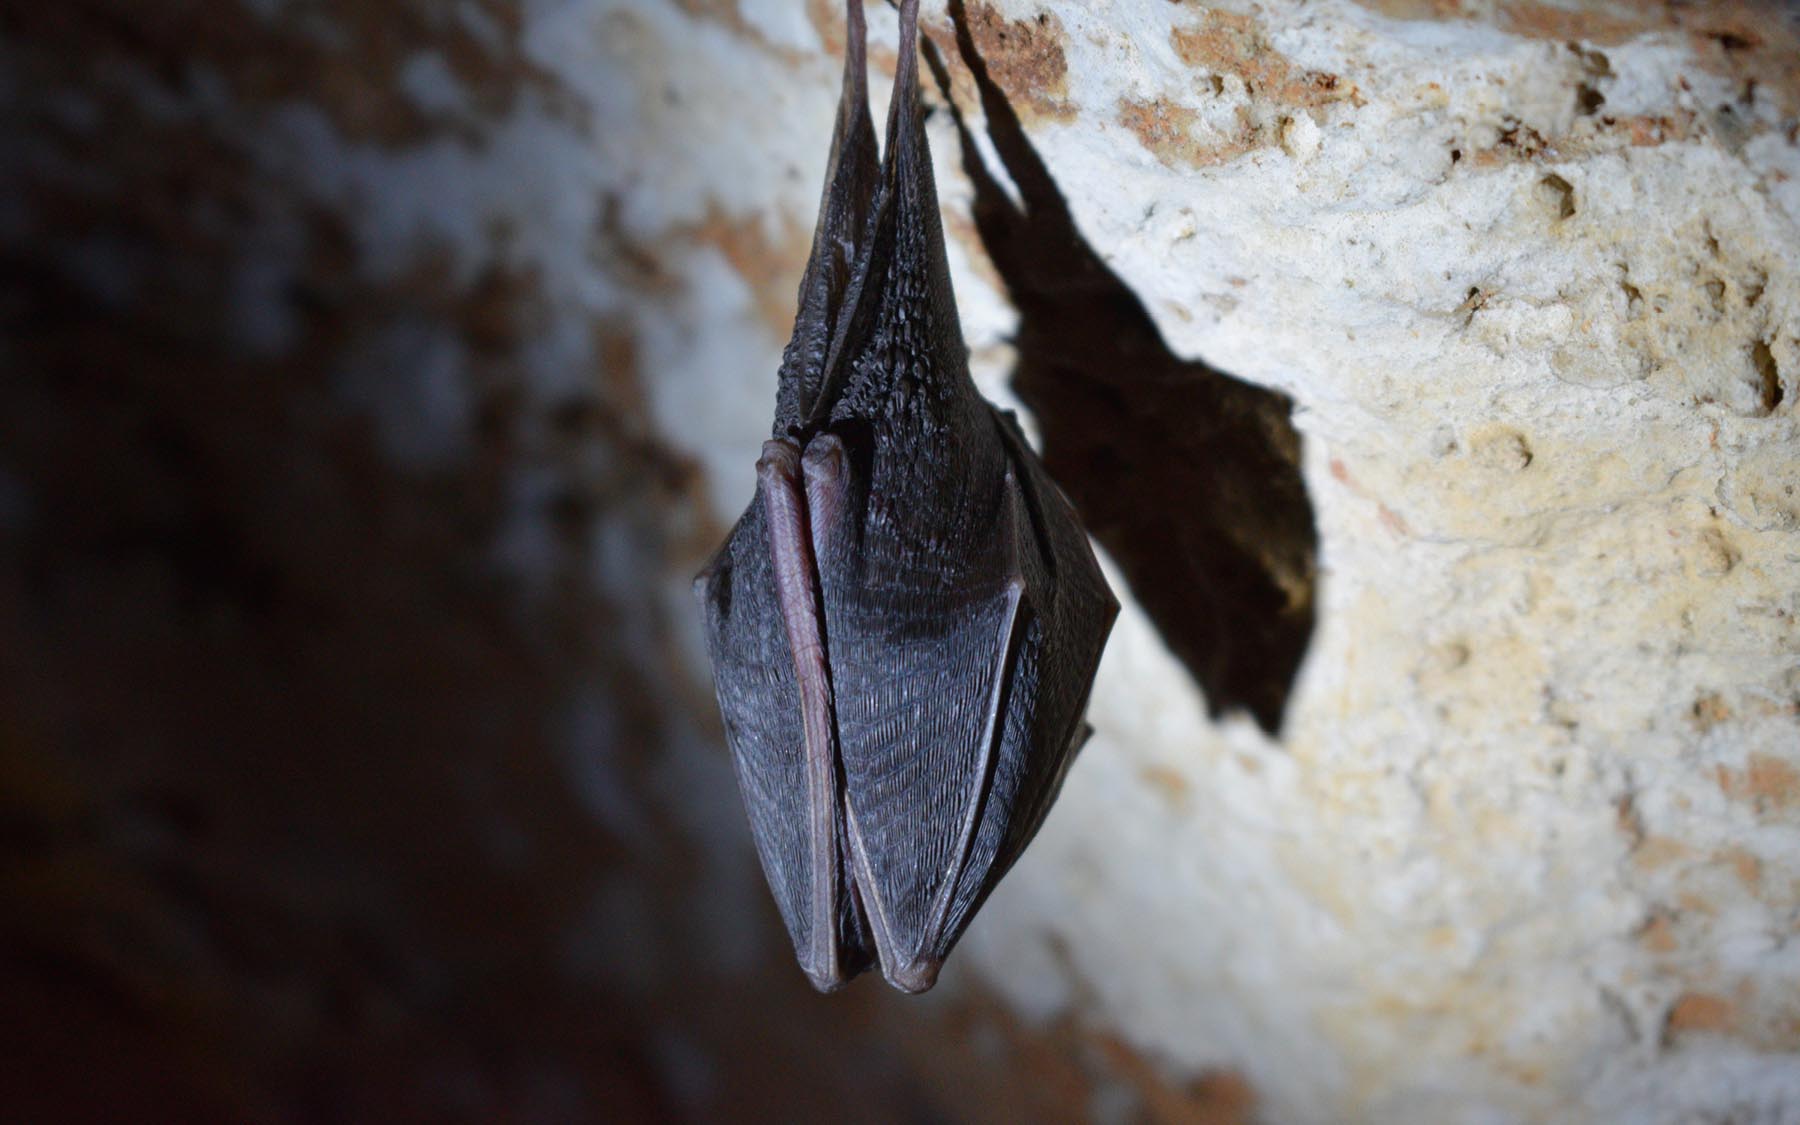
905, 623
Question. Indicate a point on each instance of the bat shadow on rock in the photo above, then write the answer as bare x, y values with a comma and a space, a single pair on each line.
1190, 478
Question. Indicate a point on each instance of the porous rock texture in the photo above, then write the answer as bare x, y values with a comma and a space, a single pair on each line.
1522, 844
1428, 372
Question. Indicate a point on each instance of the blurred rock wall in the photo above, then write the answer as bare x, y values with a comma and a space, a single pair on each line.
377, 376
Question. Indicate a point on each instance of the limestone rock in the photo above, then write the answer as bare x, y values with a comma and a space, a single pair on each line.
379, 376
1521, 845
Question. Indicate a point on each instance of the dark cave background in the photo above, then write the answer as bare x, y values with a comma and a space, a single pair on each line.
310, 809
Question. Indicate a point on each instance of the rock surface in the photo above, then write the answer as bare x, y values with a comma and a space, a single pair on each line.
1524, 846
1429, 372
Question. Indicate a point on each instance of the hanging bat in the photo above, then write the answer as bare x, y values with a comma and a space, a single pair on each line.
905, 623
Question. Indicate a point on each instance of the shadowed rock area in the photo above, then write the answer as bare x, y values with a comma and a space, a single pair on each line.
1189, 477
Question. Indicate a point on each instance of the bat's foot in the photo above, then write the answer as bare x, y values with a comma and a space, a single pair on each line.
916, 977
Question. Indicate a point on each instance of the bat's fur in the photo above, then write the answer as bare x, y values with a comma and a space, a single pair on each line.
905, 623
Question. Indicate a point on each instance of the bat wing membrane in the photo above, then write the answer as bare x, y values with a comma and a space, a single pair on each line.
963, 606
963, 637
919, 658
764, 700
905, 623
759, 700
1071, 611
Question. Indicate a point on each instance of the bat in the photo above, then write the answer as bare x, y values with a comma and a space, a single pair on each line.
905, 624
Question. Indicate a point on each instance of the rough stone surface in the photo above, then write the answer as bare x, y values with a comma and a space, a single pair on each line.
1429, 370
1525, 844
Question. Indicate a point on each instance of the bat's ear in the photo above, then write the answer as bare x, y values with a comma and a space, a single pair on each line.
851, 176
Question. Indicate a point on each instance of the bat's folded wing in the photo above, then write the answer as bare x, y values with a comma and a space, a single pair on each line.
961, 667
1075, 612
760, 700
